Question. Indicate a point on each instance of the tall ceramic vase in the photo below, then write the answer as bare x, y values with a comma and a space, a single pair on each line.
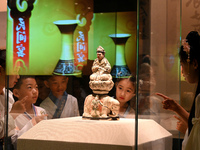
65, 65
120, 69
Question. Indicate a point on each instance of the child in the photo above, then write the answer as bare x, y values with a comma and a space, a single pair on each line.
59, 104
27, 87
12, 105
190, 62
125, 91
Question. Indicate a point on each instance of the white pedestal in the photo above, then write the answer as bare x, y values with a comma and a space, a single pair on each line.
78, 134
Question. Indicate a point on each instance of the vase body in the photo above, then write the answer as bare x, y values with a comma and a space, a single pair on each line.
65, 65
120, 69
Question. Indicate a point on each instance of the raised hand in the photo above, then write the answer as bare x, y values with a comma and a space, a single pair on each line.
40, 118
168, 103
172, 105
19, 106
181, 125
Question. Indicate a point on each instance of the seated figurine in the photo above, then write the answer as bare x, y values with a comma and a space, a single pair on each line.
100, 65
101, 80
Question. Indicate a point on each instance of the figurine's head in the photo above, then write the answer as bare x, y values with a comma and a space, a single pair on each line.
100, 53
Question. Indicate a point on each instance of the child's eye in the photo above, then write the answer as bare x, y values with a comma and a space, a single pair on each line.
29, 87
120, 88
129, 91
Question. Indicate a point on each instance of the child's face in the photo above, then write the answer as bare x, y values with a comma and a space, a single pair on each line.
57, 84
124, 91
28, 88
13, 80
189, 72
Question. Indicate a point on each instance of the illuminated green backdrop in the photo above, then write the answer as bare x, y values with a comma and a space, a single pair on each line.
45, 38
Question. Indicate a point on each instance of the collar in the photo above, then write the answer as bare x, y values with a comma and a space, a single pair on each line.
55, 100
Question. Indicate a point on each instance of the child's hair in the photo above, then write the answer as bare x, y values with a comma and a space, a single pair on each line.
20, 81
41, 77
131, 78
3, 58
193, 40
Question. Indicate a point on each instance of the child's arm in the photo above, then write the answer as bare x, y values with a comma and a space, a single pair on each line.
171, 104
28, 126
18, 132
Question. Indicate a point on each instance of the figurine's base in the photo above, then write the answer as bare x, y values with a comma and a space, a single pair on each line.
98, 118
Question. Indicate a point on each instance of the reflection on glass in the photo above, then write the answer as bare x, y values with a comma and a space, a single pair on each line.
120, 69
65, 64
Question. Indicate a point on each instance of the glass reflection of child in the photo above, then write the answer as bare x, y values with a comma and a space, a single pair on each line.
125, 91
27, 87
59, 104
43, 90
12, 106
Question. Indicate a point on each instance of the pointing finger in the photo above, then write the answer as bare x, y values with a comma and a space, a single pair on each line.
177, 117
162, 95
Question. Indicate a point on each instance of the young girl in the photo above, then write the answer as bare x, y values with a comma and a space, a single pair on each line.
190, 62
27, 87
125, 91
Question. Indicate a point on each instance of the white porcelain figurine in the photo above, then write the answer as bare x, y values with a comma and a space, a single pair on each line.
99, 105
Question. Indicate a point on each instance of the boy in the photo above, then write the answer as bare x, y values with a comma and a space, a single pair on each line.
59, 104
27, 87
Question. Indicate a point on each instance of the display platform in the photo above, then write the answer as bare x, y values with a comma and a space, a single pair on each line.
78, 134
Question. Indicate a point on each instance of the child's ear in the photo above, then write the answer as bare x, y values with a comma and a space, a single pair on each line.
46, 83
16, 93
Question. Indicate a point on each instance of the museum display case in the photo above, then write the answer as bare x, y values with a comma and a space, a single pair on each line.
138, 40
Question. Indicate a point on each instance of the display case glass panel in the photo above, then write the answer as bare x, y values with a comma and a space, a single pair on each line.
57, 43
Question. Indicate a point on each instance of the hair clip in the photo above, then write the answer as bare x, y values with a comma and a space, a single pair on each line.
186, 48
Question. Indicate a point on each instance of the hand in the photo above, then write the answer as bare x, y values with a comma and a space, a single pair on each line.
168, 103
40, 118
19, 106
181, 125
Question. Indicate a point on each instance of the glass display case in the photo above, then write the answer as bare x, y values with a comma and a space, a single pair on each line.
51, 50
